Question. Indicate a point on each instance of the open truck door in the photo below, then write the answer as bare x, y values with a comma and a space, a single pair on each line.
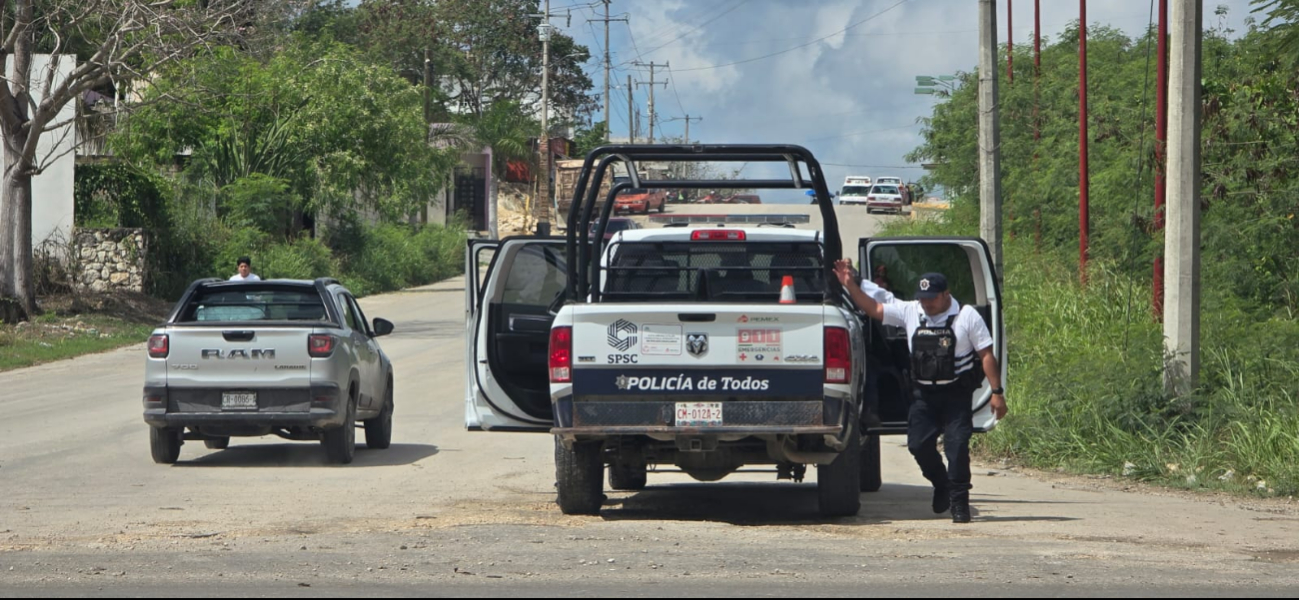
511, 287
967, 263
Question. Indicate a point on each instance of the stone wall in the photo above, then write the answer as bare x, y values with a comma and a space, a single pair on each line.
109, 259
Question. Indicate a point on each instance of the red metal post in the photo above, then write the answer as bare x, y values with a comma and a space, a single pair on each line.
1161, 148
1010, 42
1084, 220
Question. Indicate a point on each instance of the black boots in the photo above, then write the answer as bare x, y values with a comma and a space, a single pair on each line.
961, 512
942, 500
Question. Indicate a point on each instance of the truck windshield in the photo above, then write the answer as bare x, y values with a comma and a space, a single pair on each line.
714, 271
254, 303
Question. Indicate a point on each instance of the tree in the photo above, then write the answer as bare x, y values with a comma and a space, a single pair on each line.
342, 132
126, 40
1250, 188
1283, 18
482, 52
508, 131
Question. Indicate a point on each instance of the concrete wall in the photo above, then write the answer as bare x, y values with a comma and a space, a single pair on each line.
52, 202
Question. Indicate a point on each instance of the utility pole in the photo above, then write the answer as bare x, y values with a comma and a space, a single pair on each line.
541, 206
1010, 42
631, 113
1161, 151
1084, 180
989, 134
687, 119
608, 125
428, 121
652, 115
1182, 240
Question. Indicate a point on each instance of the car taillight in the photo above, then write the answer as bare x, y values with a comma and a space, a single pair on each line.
320, 345
561, 355
870, 197
838, 355
159, 346
718, 235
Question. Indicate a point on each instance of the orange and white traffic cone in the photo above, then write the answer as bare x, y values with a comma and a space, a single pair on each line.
787, 291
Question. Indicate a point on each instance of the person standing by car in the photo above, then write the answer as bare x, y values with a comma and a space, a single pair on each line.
245, 271
945, 340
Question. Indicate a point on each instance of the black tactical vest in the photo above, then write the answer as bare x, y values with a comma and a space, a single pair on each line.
933, 353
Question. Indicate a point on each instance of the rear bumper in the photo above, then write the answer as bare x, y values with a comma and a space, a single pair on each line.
658, 417
320, 406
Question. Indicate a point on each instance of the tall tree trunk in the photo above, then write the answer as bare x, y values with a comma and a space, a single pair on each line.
16, 285
9, 305
17, 294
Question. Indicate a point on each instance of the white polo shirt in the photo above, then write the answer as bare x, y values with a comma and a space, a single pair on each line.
876, 292
972, 333
250, 277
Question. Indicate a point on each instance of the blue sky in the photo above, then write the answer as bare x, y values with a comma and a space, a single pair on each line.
848, 97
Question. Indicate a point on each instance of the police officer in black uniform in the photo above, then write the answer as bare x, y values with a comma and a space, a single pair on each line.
947, 340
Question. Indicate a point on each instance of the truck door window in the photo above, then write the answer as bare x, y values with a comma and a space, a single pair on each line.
536, 276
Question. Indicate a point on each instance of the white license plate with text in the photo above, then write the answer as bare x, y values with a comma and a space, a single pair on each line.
239, 401
699, 414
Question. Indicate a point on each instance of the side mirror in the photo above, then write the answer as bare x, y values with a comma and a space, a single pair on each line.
382, 327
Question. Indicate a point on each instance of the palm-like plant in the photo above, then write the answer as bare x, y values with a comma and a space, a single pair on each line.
508, 130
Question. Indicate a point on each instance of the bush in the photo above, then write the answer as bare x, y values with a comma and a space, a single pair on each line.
303, 258
1086, 385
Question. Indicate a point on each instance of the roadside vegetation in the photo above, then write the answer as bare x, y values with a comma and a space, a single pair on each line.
316, 139
1086, 390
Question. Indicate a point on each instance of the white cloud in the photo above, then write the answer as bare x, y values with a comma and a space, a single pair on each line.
861, 81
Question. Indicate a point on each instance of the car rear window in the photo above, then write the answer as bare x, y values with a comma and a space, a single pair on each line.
254, 303
885, 189
714, 271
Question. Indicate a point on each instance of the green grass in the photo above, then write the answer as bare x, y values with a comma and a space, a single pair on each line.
51, 337
1086, 391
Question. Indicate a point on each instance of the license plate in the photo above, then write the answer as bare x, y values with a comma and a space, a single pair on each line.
699, 414
239, 401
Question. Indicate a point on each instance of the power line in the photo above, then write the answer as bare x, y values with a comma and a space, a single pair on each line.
835, 137
674, 92
686, 20
786, 51
873, 166
698, 27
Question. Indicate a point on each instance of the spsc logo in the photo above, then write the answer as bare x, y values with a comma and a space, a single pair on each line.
622, 335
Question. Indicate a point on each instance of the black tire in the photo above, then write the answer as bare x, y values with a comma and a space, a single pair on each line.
663, 207
217, 443
378, 431
628, 478
579, 475
871, 476
340, 442
838, 484
165, 444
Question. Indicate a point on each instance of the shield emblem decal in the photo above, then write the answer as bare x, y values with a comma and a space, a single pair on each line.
697, 344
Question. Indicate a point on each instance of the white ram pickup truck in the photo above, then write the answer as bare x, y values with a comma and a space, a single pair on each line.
709, 349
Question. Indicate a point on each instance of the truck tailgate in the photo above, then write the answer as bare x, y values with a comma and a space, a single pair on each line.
234, 357
698, 350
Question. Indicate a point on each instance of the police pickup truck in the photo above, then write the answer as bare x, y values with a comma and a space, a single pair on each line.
708, 348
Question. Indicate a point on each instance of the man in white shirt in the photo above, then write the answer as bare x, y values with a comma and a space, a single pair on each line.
245, 271
945, 340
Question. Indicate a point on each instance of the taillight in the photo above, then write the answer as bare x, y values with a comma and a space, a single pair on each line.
838, 355
159, 346
561, 355
718, 235
870, 197
320, 345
